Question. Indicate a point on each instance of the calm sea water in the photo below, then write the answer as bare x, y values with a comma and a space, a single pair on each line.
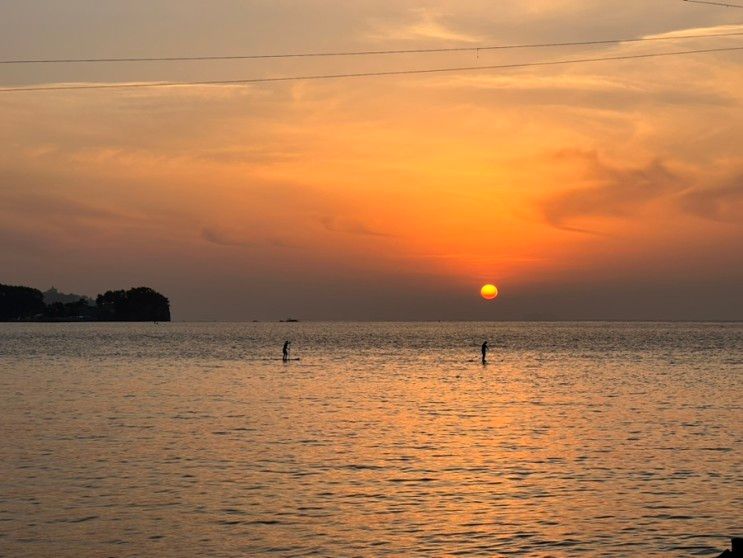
177, 440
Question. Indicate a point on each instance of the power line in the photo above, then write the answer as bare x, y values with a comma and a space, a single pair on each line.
362, 52
363, 74
724, 4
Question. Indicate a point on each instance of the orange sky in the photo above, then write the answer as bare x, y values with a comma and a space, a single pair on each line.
603, 190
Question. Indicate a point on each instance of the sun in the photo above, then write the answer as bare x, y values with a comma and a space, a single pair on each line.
489, 292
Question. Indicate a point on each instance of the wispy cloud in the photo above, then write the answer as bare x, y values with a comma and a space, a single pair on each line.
720, 203
617, 191
427, 25
223, 237
53, 208
349, 226
721, 29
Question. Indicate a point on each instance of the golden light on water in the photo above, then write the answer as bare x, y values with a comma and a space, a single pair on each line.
489, 292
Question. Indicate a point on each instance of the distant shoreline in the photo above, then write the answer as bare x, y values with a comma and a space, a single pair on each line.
276, 322
23, 304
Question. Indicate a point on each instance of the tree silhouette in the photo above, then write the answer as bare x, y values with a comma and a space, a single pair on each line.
140, 304
19, 303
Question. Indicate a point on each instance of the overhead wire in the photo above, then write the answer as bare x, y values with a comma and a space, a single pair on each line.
711, 3
364, 52
365, 74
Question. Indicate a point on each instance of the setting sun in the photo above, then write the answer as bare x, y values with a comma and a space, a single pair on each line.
489, 292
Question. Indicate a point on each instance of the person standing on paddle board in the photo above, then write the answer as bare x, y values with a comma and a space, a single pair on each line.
485, 350
285, 350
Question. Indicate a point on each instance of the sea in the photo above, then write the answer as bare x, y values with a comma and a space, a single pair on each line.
383, 439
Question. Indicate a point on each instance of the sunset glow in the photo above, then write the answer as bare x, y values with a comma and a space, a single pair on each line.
592, 177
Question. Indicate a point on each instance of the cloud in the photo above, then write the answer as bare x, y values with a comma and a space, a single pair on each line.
616, 191
685, 32
720, 203
427, 26
59, 218
349, 226
223, 237
23, 240
567, 89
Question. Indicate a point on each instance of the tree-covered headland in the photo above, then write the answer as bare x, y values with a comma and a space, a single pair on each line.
140, 304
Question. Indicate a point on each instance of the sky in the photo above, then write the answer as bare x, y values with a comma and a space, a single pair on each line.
603, 190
